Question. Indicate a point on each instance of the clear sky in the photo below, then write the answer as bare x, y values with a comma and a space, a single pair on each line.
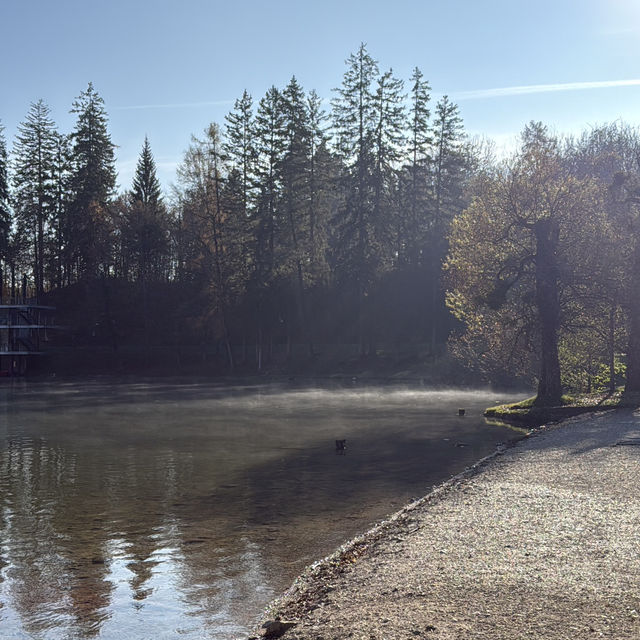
167, 68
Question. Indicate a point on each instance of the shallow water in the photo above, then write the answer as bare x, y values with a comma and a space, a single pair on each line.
154, 510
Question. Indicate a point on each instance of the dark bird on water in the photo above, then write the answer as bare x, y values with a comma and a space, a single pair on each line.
341, 445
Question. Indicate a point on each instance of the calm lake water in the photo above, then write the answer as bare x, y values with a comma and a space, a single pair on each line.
151, 510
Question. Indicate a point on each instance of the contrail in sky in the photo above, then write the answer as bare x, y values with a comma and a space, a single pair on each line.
474, 94
542, 88
179, 105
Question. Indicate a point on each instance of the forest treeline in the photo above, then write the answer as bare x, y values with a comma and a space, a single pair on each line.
370, 223
289, 223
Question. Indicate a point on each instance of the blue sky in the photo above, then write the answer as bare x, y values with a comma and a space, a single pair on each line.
168, 68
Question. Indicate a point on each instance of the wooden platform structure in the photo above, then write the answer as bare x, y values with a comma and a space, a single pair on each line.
24, 330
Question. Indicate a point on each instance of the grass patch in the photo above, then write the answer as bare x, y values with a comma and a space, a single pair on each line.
526, 412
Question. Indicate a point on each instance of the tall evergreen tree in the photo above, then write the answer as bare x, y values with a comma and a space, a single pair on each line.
93, 183
323, 197
34, 188
145, 234
319, 183
388, 144
448, 200
239, 147
60, 259
270, 136
294, 172
448, 163
146, 186
270, 144
416, 194
5, 214
354, 119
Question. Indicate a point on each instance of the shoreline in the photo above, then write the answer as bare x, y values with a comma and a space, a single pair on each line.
336, 596
324, 569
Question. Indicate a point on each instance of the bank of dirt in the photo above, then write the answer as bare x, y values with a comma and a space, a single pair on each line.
540, 541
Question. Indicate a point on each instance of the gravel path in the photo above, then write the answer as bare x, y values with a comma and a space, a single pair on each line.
540, 541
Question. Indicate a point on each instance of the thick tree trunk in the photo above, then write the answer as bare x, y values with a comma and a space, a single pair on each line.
547, 300
633, 348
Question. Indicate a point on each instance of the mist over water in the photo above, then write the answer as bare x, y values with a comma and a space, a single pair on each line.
136, 510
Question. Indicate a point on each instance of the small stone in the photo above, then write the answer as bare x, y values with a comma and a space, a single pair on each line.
275, 628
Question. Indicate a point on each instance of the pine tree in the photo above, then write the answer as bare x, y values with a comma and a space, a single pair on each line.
354, 119
420, 137
319, 184
146, 186
270, 145
388, 143
295, 251
34, 188
416, 193
239, 147
294, 173
93, 183
270, 137
353, 110
448, 163
145, 234
447, 178
60, 260
5, 213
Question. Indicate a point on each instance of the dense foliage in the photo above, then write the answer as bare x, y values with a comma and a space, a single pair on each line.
542, 264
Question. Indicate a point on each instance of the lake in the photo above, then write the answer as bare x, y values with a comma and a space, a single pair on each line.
139, 509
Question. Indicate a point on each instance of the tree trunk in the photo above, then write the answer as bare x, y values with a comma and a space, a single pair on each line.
633, 348
547, 300
612, 348
259, 349
13, 282
40, 260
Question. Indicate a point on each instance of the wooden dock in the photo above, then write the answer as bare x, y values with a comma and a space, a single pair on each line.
24, 331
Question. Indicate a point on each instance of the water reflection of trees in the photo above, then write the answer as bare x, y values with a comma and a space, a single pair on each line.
62, 510
113, 512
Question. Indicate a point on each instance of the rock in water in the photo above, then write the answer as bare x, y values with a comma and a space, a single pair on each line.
275, 628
